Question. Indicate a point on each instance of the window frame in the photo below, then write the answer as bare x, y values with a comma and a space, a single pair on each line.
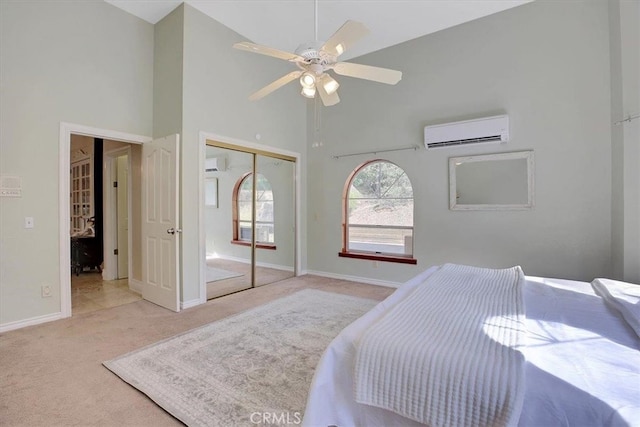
367, 255
236, 240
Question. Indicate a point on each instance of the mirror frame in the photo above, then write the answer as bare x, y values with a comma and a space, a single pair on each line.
527, 155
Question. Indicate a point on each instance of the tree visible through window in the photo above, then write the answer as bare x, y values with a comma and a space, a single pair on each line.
264, 210
379, 211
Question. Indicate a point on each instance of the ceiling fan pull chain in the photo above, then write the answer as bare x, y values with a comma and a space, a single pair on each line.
317, 141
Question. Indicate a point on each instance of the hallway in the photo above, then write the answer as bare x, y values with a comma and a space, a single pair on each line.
90, 293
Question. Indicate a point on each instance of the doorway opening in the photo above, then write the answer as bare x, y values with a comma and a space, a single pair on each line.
86, 157
100, 232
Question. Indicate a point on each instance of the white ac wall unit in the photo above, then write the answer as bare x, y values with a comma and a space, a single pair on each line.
215, 164
478, 131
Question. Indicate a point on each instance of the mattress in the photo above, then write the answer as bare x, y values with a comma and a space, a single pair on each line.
582, 363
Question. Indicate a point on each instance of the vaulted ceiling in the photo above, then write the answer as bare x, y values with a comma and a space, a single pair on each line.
285, 24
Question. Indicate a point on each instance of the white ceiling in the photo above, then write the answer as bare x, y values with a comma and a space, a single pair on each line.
284, 24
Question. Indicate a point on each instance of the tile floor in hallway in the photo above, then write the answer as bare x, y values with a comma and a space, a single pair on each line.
90, 293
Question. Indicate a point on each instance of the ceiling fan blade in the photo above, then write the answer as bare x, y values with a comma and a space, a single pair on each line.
376, 74
328, 99
275, 85
269, 51
345, 37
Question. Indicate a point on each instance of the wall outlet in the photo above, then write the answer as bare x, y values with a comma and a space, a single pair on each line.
375, 264
46, 291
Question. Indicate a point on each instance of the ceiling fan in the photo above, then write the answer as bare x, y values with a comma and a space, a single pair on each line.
315, 59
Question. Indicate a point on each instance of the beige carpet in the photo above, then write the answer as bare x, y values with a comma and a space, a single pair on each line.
52, 374
259, 361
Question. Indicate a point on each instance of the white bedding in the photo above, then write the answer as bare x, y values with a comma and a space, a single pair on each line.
415, 361
624, 297
582, 363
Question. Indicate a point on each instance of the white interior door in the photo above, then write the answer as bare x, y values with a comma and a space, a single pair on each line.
122, 215
160, 223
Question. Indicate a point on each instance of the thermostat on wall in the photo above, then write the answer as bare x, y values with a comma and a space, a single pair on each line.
10, 186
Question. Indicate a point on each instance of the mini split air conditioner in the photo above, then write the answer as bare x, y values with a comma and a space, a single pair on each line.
215, 164
477, 131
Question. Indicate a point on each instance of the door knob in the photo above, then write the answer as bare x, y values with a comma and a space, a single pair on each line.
173, 230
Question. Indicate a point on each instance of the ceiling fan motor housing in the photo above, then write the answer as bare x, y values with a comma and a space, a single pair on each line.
314, 55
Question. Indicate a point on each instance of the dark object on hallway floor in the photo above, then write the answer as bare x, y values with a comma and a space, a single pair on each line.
85, 252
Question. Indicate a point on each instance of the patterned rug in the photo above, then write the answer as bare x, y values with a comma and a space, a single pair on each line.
254, 366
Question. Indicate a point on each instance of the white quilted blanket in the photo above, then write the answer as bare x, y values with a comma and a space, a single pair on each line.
447, 355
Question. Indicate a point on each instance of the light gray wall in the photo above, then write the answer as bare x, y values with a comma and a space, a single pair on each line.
167, 74
217, 81
624, 19
80, 62
546, 64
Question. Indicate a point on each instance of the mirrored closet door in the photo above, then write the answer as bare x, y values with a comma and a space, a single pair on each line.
249, 216
275, 220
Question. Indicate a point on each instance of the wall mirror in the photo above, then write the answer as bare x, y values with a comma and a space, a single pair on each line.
491, 182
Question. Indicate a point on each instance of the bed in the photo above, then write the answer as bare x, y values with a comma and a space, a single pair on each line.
581, 362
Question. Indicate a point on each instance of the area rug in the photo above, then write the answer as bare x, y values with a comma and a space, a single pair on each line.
214, 274
241, 369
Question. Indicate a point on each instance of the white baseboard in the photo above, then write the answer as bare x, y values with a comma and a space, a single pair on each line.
355, 278
135, 285
5, 327
190, 303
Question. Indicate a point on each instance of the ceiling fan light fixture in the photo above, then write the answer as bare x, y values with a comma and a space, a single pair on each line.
330, 84
308, 81
308, 92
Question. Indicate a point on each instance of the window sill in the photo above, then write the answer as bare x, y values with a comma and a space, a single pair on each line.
269, 246
379, 257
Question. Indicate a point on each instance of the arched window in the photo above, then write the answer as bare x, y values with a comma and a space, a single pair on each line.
378, 213
243, 211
